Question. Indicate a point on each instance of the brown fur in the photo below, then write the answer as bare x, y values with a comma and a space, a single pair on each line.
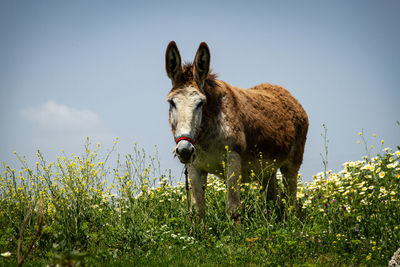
264, 119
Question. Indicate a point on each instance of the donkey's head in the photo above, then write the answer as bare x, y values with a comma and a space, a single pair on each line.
186, 98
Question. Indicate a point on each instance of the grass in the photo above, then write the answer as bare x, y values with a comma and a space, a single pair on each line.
140, 217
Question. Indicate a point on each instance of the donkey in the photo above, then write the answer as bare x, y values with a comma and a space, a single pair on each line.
209, 116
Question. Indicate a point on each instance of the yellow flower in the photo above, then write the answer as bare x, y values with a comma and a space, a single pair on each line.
368, 256
251, 240
381, 174
6, 254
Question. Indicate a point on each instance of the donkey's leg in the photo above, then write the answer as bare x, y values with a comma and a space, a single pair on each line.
289, 172
234, 174
274, 194
198, 180
269, 184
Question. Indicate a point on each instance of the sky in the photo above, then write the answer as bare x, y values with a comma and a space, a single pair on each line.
76, 69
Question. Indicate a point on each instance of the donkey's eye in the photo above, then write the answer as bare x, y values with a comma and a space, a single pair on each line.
199, 105
172, 103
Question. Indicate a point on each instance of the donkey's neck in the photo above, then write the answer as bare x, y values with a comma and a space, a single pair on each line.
211, 111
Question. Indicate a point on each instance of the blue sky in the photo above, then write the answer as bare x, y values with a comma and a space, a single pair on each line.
71, 69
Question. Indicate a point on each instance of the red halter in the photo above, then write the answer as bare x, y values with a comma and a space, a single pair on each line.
184, 137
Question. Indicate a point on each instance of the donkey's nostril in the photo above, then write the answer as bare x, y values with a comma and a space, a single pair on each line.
185, 152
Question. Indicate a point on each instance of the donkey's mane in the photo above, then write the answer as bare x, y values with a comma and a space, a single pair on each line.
187, 71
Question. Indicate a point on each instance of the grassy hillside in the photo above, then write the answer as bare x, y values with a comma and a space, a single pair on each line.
349, 218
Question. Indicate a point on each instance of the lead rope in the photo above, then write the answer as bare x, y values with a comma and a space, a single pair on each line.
188, 200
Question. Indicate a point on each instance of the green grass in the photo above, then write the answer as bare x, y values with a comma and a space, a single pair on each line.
140, 218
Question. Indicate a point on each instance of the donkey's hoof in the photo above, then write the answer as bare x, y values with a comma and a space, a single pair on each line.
236, 218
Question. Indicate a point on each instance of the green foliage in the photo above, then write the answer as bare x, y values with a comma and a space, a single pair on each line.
140, 217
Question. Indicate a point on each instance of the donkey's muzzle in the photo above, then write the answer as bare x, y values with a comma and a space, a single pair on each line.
185, 151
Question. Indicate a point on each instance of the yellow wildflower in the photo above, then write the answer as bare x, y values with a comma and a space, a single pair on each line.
6, 254
368, 256
251, 240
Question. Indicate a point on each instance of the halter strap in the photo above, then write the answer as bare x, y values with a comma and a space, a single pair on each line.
184, 137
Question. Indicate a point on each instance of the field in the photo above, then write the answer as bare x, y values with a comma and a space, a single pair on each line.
66, 213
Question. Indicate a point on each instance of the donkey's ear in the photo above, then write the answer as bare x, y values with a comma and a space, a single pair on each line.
173, 63
202, 63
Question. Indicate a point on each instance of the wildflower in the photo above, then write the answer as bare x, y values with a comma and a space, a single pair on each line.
381, 174
251, 240
368, 256
6, 254
360, 185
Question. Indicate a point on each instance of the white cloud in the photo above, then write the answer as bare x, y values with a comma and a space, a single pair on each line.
58, 117
52, 127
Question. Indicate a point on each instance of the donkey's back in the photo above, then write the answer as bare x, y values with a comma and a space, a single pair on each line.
274, 122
